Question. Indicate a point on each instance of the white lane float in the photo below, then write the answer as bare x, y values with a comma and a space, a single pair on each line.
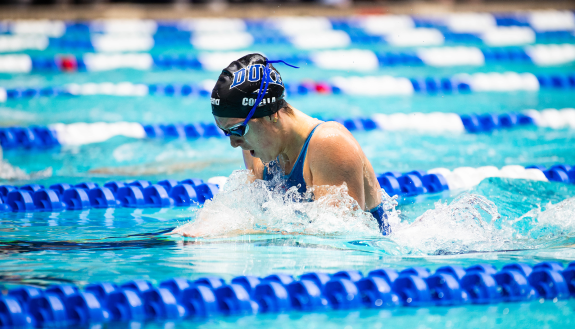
122, 43
49, 28
452, 56
374, 85
553, 118
212, 25
508, 36
421, 37
552, 20
321, 39
124, 26
221, 40
105, 62
86, 133
13, 43
352, 59
548, 55
469, 177
470, 22
296, 25
435, 122
15, 64
499, 82
384, 24
108, 88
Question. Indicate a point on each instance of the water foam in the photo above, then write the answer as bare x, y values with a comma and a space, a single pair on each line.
472, 223
245, 206
556, 221
466, 224
469, 223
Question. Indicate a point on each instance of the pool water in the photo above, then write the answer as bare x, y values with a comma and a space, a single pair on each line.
499, 221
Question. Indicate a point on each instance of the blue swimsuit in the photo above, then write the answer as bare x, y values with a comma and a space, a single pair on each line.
295, 178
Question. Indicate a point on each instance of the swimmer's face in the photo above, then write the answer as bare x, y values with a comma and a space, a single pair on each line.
257, 141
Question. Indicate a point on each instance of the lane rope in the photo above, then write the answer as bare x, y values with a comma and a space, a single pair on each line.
194, 192
385, 288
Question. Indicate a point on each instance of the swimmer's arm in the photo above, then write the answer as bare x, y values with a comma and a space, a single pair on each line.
335, 159
254, 164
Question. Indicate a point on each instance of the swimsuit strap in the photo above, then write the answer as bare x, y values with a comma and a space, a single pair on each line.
295, 176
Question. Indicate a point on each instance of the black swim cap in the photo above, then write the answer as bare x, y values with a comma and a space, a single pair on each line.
237, 88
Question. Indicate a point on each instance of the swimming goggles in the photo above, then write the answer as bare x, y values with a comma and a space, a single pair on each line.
241, 129
237, 130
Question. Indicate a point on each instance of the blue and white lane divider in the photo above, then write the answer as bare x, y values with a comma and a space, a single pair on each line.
375, 86
222, 34
540, 21
135, 194
367, 32
436, 180
342, 60
180, 298
169, 193
38, 137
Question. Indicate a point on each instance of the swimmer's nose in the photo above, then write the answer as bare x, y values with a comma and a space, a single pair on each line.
234, 141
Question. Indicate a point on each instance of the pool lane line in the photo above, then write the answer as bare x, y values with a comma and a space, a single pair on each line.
194, 192
364, 86
36, 138
210, 297
540, 55
110, 35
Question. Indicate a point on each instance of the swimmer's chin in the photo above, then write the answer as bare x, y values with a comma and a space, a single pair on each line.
255, 154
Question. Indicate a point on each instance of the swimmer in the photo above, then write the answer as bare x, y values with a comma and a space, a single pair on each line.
248, 106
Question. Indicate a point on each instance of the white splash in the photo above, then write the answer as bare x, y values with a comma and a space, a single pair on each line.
466, 224
557, 220
245, 207
469, 223
472, 223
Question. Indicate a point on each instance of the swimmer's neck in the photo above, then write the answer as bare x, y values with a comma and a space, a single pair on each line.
294, 130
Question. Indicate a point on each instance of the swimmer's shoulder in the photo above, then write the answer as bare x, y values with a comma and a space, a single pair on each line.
333, 134
332, 142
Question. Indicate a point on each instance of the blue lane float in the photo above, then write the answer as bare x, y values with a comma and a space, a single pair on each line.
193, 191
178, 298
136, 194
33, 137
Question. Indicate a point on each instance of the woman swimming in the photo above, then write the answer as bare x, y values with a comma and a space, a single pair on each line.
286, 146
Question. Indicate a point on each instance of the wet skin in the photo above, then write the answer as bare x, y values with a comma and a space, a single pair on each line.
334, 157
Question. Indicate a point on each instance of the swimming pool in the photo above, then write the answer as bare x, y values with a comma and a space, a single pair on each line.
497, 222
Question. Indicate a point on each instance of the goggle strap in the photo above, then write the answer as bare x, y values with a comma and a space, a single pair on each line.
264, 88
261, 92
280, 61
